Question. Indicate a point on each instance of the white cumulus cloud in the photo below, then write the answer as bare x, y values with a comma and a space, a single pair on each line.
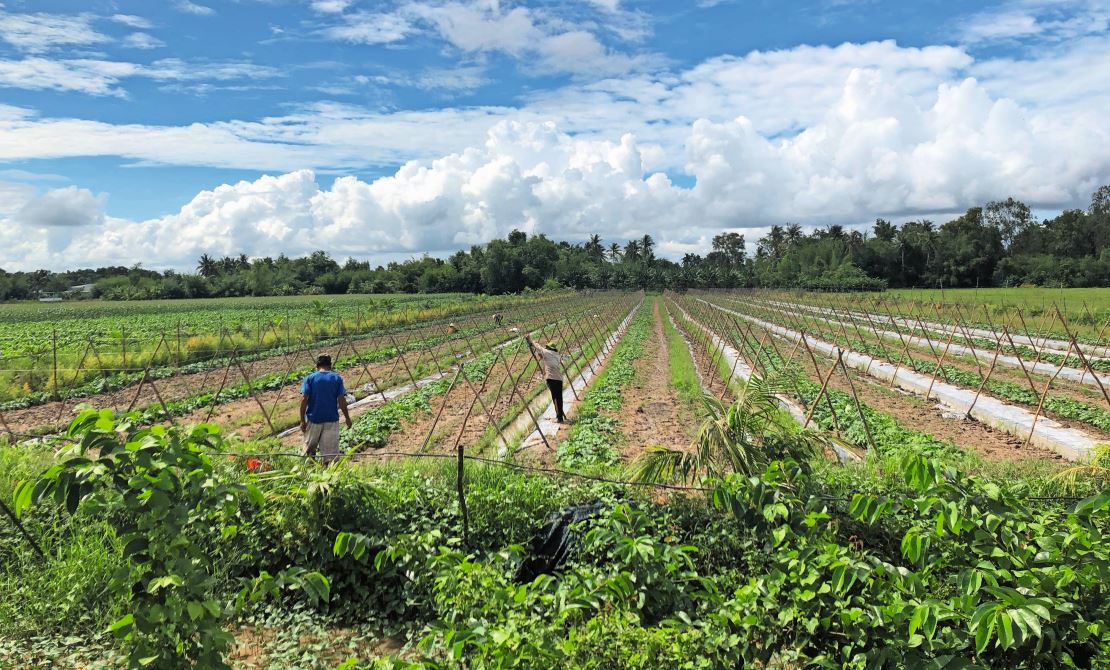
814, 134
876, 151
189, 7
142, 41
39, 32
60, 216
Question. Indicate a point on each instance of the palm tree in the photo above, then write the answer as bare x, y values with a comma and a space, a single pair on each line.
740, 439
646, 246
207, 266
632, 251
1097, 468
773, 244
594, 248
793, 234
614, 252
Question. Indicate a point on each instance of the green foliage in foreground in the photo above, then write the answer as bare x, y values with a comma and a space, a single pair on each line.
964, 575
787, 566
152, 484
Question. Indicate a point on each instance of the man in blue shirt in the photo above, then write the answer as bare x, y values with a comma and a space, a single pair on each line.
323, 396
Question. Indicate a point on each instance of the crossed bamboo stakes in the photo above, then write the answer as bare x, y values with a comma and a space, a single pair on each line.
866, 324
239, 365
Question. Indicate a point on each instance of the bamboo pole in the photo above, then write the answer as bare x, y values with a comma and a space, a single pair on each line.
859, 405
1044, 396
442, 406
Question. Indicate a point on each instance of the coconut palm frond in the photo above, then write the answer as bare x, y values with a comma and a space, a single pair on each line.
711, 408
739, 438
661, 465
1071, 477
1098, 467
731, 439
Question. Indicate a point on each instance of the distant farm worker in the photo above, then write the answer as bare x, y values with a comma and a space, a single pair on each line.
497, 319
553, 372
323, 396
452, 329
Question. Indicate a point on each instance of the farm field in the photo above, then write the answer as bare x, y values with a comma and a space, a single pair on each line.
768, 478
1069, 300
60, 349
1084, 311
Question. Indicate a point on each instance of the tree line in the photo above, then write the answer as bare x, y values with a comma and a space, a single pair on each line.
998, 244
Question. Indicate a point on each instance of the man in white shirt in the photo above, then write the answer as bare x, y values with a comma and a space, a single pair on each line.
553, 372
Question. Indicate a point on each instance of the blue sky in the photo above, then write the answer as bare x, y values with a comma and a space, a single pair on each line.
137, 131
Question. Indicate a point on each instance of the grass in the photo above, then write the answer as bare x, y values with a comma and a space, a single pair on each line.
61, 596
684, 374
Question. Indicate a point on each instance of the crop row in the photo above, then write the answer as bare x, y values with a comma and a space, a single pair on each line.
593, 436
422, 338
146, 320
578, 334
242, 390
355, 362
1062, 406
1036, 320
38, 365
881, 328
373, 428
840, 411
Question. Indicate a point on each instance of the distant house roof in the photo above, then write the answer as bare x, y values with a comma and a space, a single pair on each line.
82, 288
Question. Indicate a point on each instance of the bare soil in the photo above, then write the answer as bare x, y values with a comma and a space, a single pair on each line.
450, 410
251, 649
652, 413
1060, 388
927, 416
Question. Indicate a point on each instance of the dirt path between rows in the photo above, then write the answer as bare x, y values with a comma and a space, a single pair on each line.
927, 417
451, 409
1060, 388
652, 413
244, 418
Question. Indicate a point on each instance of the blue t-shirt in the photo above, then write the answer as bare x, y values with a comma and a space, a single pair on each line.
323, 390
